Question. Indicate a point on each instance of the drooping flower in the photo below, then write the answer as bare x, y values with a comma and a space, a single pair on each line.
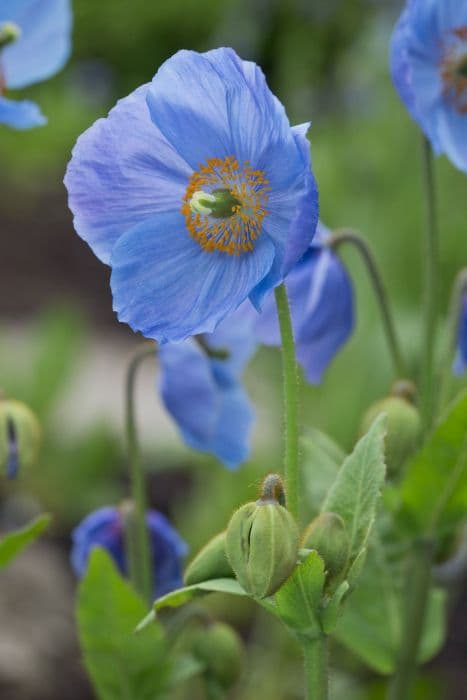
35, 40
460, 364
321, 302
105, 528
201, 388
197, 192
429, 70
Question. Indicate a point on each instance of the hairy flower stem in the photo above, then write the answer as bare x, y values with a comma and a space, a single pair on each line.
459, 289
289, 363
137, 536
344, 236
315, 652
431, 289
418, 581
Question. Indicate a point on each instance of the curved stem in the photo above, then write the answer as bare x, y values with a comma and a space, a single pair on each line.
431, 288
316, 668
455, 307
343, 236
290, 374
137, 534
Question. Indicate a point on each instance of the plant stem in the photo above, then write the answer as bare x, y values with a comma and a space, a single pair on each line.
455, 307
316, 668
290, 375
139, 556
418, 588
431, 289
343, 236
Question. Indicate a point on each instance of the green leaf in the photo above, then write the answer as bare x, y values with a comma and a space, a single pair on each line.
183, 595
434, 491
355, 492
13, 543
299, 599
333, 609
122, 665
321, 459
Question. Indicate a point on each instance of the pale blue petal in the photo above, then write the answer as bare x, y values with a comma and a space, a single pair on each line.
45, 41
452, 132
20, 114
460, 364
166, 286
122, 173
232, 439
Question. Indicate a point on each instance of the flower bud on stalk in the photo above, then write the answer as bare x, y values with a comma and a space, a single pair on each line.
403, 423
327, 534
210, 562
220, 649
262, 541
19, 436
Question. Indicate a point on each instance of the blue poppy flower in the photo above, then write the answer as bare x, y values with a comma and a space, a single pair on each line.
34, 44
194, 189
104, 528
200, 386
460, 363
322, 308
429, 69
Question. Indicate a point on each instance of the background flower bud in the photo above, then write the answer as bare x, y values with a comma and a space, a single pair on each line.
19, 436
220, 649
262, 546
210, 562
327, 534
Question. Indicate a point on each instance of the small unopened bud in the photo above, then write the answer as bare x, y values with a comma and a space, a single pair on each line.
210, 562
220, 649
9, 33
262, 541
327, 534
19, 437
403, 424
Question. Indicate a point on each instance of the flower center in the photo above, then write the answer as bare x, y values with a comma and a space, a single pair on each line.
225, 204
9, 33
454, 70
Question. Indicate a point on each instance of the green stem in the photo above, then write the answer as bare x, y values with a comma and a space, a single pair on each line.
455, 308
137, 534
431, 289
416, 601
290, 374
316, 668
343, 236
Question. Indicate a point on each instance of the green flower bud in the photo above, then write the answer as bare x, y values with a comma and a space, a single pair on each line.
210, 562
403, 424
327, 534
220, 649
19, 436
9, 33
262, 542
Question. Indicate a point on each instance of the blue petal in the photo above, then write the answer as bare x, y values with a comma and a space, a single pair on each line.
452, 133
168, 550
236, 335
20, 114
231, 442
451, 14
45, 41
122, 172
460, 363
101, 528
166, 286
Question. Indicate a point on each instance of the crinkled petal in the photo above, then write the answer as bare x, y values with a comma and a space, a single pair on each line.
20, 114
451, 14
235, 334
168, 550
122, 172
101, 528
166, 286
45, 41
232, 439
452, 133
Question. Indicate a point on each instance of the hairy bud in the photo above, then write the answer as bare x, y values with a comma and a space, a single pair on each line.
19, 436
220, 649
327, 534
210, 562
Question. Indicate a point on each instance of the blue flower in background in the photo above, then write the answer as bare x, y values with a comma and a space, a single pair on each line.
201, 389
322, 308
104, 528
35, 41
197, 191
429, 69
460, 364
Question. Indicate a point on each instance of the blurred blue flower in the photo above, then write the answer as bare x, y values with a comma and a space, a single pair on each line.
104, 528
197, 192
201, 389
429, 69
322, 308
460, 364
35, 41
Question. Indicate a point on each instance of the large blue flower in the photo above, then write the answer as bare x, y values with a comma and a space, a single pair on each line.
429, 70
200, 386
34, 44
321, 303
460, 364
197, 192
104, 528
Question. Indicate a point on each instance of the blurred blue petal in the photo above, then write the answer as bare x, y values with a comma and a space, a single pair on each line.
460, 363
20, 114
